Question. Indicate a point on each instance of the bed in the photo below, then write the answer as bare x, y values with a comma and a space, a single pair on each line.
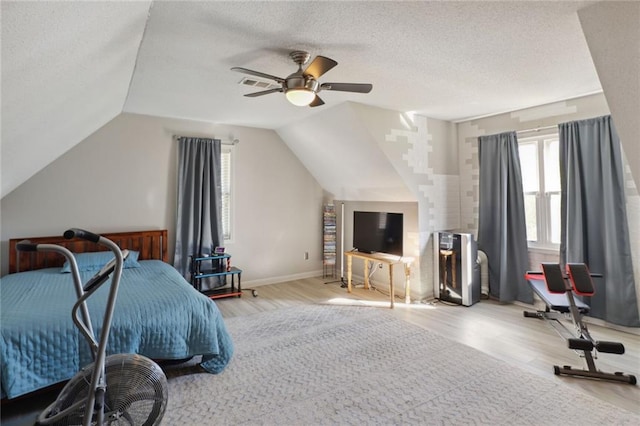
158, 313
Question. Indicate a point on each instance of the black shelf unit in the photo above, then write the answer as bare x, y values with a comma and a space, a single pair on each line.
216, 265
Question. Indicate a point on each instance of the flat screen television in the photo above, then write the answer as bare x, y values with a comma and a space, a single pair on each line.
377, 232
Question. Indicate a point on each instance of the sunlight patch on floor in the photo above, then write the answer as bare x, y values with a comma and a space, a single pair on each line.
342, 301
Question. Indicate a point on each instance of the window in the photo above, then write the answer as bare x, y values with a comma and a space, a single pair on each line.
540, 164
226, 164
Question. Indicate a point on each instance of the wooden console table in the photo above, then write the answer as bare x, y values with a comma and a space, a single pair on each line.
387, 259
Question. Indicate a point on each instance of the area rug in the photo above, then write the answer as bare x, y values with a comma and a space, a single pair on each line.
328, 365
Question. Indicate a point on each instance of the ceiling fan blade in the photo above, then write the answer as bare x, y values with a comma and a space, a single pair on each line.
319, 66
347, 87
264, 92
316, 102
258, 74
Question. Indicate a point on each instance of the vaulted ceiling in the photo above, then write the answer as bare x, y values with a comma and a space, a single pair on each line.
68, 68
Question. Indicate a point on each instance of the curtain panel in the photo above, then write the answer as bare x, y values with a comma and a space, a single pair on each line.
199, 210
594, 227
502, 233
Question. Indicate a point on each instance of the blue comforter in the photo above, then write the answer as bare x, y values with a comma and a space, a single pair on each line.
157, 314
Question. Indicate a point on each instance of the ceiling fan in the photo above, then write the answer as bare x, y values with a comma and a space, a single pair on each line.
301, 88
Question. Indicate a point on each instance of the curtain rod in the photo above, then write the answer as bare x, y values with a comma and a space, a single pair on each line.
537, 129
222, 141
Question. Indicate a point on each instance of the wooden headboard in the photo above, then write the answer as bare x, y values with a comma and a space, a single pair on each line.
150, 244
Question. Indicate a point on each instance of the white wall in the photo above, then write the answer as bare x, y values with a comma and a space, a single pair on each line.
339, 149
423, 151
420, 156
123, 177
612, 31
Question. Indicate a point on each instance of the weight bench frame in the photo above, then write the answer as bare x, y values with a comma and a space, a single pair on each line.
557, 292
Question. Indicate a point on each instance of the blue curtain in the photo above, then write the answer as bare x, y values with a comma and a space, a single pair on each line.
199, 213
502, 233
594, 218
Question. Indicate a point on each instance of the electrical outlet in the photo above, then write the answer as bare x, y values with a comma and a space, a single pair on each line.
306, 255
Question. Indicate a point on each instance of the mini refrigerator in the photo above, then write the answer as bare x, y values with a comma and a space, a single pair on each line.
456, 271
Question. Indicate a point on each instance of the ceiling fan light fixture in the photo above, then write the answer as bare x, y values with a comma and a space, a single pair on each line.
300, 97
301, 87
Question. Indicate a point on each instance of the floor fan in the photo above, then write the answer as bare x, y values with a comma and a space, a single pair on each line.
136, 393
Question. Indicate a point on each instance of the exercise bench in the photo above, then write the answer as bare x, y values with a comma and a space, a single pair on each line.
557, 292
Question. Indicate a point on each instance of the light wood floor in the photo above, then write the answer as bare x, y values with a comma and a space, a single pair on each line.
497, 329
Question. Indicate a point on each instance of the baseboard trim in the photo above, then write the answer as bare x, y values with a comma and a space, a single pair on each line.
280, 279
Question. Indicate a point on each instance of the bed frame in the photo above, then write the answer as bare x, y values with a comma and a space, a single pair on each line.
150, 245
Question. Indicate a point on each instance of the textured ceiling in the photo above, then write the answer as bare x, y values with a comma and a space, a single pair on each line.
446, 60
70, 67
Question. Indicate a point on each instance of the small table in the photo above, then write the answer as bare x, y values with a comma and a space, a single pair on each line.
219, 266
387, 259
